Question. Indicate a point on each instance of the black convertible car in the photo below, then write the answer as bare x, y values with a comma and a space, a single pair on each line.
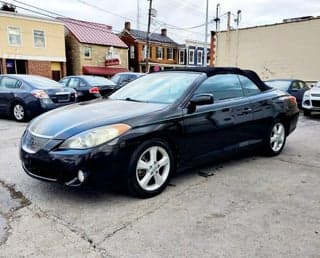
157, 125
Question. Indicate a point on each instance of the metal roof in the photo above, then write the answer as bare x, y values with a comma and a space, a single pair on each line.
93, 33
142, 35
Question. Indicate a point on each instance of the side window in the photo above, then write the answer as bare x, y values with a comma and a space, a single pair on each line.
64, 81
249, 88
83, 83
73, 83
222, 86
295, 86
303, 85
10, 83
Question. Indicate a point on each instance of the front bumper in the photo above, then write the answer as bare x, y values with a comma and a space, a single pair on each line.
312, 103
51, 164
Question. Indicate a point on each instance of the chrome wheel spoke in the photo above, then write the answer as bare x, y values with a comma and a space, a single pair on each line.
153, 154
158, 179
142, 165
145, 180
163, 161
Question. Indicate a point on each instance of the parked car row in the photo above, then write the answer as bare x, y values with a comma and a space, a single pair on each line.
25, 96
308, 99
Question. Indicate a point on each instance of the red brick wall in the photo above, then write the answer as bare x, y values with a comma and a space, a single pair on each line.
42, 68
3, 67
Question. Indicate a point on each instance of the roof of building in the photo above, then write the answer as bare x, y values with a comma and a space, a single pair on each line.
93, 33
157, 37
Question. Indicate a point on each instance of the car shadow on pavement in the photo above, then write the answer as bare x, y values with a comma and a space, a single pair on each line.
102, 190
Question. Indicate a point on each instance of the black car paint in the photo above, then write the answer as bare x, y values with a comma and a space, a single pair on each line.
192, 136
83, 88
34, 106
297, 93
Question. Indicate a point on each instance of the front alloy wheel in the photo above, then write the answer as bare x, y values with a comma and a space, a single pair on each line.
150, 169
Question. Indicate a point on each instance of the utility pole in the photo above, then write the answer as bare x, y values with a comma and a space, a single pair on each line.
237, 20
148, 36
206, 36
217, 21
138, 14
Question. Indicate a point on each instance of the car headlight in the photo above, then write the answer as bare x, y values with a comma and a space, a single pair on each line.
306, 95
95, 137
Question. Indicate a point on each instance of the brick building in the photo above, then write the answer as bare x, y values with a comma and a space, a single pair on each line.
31, 45
163, 52
93, 49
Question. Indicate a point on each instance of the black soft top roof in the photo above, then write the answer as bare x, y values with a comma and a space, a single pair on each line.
210, 71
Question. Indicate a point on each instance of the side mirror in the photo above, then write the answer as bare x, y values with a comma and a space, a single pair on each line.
200, 100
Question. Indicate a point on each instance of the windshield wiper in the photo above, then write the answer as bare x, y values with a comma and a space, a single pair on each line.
134, 100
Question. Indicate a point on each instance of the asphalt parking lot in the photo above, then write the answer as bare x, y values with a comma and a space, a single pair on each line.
249, 206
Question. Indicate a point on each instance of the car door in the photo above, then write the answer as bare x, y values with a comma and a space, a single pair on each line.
262, 109
9, 87
219, 126
296, 89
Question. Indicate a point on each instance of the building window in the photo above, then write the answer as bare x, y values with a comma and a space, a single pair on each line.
131, 51
191, 56
199, 56
39, 39
14, 35
181, 56
87, 52
159, 52
170, 53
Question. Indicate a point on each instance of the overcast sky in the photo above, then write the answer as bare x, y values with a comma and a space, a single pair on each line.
177, 15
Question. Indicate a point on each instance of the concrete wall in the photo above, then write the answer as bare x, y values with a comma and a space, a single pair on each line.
286, 50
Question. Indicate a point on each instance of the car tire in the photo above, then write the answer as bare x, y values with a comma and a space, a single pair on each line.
307, 112
275, 139
150, 169
18, 112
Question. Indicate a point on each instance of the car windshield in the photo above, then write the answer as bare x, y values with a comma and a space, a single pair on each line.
164, 87
98, 81
280, 85
42, 83
317, 84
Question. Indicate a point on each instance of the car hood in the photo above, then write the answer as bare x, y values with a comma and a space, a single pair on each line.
315, 90
64, 122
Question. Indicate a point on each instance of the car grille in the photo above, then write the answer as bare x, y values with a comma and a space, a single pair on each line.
32, 143
316, 103
315, 94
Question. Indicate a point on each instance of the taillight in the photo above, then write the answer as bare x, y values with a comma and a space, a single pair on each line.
40, 94
293, 100
94, 90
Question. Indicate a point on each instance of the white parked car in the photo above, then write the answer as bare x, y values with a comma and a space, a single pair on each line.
311, 100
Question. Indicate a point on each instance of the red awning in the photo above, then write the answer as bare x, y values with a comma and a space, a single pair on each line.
104, 71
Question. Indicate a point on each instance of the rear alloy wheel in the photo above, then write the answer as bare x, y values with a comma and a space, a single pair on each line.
150, 169
18, 112
276, 139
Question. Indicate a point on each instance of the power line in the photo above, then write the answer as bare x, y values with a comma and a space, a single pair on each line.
60, 17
